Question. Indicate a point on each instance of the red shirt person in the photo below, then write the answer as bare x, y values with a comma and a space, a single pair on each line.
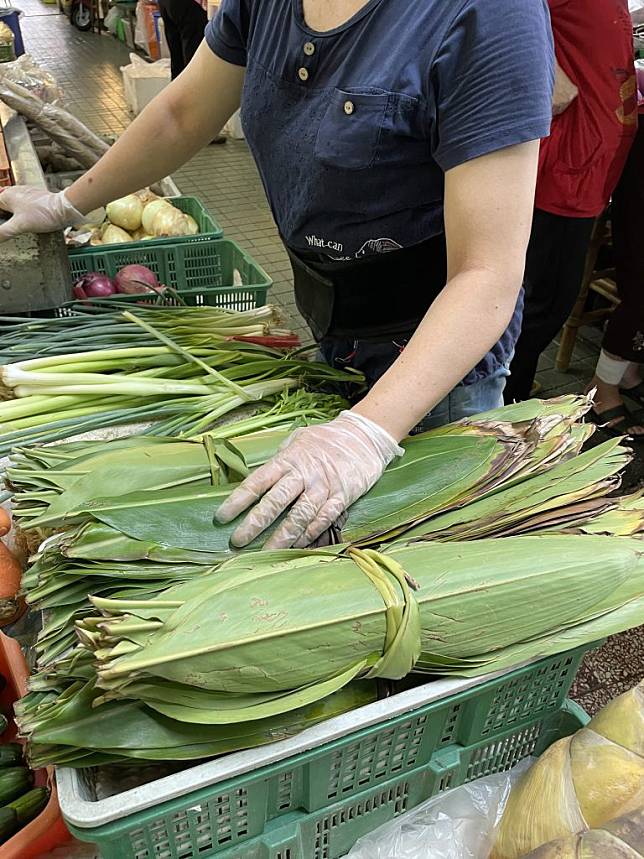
593, 127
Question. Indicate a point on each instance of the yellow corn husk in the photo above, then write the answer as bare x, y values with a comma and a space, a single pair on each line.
541, 807
622, 721
629, 829
622, 838
579, 783
608, 779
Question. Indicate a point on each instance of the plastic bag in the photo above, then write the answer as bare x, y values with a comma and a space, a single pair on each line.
459, 824
28, 74
70, 133
112, 18
639, 71
144, 32
140, 68
636, 8
143, 81
233, 127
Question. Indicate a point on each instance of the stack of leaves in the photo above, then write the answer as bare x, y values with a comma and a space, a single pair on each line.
511, 471
143, 541
183, 386
66, 729
305, 624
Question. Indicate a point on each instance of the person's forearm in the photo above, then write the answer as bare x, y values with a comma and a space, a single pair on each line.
172, 128
463, 323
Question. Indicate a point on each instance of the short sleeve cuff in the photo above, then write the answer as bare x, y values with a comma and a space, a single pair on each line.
460, 153
230, 53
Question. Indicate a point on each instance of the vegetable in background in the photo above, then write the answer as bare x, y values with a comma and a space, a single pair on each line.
622, 838
580, 782
86, 329
169, 221
142, 216
202, 367
17, 813
150, 212
93, 285
134, 279
11, 604
14, 782
126, 212
112, 235
10, 754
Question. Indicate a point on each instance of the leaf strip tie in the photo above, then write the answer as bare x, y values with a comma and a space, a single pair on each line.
402, 645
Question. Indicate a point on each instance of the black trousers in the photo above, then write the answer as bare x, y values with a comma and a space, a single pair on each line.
554, 270
624, 334
184, 22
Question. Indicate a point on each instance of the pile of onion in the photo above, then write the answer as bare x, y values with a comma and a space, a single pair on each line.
130, 280
142, 216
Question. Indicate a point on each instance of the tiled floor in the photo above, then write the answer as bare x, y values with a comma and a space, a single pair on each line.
225, 178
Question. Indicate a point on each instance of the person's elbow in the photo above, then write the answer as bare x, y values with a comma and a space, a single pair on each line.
508, 288
175, 110
499, 288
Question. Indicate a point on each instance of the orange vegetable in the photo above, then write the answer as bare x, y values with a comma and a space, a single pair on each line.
11, 605
5, 522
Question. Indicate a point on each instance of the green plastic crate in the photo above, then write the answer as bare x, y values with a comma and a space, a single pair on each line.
316, 804
208, 229
200, 272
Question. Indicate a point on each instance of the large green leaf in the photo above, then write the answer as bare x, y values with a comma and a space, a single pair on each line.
431, 475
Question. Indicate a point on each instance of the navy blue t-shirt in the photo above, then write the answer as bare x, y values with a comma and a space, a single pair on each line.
353, 129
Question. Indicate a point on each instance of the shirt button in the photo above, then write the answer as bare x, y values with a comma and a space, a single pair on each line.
309, 49
303, 74
349, 107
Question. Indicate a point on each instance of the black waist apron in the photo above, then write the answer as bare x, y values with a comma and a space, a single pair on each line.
373, 298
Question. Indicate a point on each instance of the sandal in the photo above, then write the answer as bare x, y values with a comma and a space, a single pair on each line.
628, 420
635, 393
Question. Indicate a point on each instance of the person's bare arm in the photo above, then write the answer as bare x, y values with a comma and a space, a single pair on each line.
564, 93
186, 116
488, 216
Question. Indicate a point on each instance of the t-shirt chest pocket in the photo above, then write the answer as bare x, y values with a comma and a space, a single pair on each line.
358, 125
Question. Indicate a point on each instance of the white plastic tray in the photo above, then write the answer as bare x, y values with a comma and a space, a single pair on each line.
80, 807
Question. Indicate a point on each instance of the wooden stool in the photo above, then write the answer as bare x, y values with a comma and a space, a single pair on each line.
600, 281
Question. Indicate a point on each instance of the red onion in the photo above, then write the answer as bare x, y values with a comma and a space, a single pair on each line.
93, 285
134, 279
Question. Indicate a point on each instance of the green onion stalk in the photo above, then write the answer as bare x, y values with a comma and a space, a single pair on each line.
181, 389
85, 329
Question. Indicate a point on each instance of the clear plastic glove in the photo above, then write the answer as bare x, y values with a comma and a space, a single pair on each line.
35, 210
323, 469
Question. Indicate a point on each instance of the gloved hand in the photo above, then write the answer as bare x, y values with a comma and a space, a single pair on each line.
35, 210
323, 469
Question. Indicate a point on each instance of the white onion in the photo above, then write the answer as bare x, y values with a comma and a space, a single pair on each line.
150, 211
115, 235
171, 222
126, 212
